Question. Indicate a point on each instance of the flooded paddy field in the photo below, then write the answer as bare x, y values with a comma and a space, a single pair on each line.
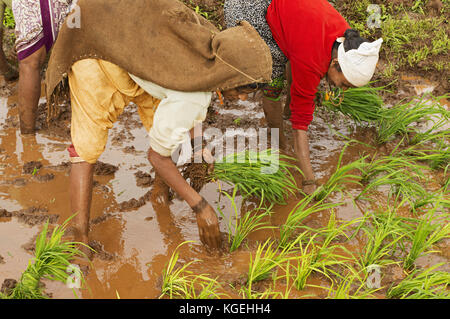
361, 243
134, 237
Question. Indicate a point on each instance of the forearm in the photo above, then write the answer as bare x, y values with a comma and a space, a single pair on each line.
301, 146
165, 167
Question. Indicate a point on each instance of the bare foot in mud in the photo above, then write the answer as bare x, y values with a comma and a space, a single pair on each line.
309, 189
160, 192
72, 234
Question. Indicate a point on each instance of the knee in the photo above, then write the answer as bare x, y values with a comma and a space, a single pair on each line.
34, 62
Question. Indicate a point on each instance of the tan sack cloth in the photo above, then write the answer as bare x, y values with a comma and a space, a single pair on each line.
162, 41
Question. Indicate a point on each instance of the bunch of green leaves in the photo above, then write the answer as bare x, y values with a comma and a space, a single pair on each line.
180, 282
398, 119
264, 174
427, 231
251, 221
385, 232
302, 209
423, 284
343, 174
51, 260
362, 104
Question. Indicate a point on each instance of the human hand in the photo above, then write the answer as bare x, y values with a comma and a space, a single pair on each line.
208, 224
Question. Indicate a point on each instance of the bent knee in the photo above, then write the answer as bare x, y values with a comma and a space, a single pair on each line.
34, 61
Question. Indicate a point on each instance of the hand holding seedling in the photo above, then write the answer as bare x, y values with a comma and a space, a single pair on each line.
208, 224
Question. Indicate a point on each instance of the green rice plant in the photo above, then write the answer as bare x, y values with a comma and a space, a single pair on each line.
383, 236
341, 176
402, 185
349, 285
250, 222
398, 119
422, 284
431, 147
303, 209
179, 282
427, 233
51, 260
266, 259
362, 104
263, 174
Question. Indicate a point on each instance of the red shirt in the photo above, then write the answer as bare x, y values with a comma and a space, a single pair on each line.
305, 31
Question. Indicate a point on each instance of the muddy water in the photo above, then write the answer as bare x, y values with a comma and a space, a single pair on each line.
135, 242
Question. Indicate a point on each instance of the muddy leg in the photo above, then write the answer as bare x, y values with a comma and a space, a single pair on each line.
207, 221
30, 89
273, 112
81, 176
287, 106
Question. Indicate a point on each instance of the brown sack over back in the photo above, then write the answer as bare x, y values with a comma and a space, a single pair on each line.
161, 41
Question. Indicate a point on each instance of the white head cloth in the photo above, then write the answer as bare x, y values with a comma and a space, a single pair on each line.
358, 65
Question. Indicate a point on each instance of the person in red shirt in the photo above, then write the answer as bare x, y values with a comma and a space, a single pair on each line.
317, 42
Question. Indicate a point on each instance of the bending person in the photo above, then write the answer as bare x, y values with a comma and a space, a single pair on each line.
318, 42
169, 74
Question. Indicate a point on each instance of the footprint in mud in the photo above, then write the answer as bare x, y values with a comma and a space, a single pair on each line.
31, 167
8, 285
100, 251
143, 179
19, 182
44, 178
104, 169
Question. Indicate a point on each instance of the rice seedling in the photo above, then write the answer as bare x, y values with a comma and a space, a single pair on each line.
397, 120
179, 282
303, 209
341, 176
250, 222
426, 234
423, 284
305, 264
263, 263
362, 104
52, 257
437, 154
351, 287
383, 236
263, 174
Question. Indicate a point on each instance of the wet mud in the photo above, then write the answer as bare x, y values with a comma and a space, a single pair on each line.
133, 234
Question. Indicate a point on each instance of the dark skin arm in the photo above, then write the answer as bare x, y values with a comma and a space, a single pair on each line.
208, 224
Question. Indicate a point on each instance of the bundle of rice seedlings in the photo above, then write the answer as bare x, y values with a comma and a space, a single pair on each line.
52, 258
398, 119
179, 282
250, 222
423, 284
261, 174
362, 104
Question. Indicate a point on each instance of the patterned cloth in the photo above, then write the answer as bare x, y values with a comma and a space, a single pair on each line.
254, 12
37, 24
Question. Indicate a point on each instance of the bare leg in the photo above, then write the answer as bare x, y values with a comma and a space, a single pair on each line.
301, 145
81, 176
30, 89
207, 221
273, 112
